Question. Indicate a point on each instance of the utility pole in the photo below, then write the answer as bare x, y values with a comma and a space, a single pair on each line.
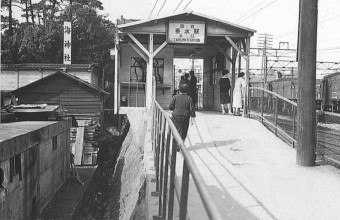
264, 41
306, 115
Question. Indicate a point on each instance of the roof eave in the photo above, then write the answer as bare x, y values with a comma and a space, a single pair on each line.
252, 31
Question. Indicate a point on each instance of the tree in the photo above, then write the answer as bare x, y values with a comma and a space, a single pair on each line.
92, 34
41, 40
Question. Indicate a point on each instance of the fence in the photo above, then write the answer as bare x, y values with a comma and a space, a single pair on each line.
166, 140
280, 115
275, 111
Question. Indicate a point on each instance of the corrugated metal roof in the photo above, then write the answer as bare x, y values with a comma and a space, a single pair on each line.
46, 66
70, 76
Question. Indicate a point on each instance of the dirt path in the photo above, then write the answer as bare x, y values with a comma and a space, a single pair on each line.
65, 201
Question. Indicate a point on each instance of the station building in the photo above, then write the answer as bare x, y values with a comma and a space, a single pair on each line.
144, 57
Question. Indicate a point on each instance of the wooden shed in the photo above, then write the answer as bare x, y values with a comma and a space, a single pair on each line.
77, 96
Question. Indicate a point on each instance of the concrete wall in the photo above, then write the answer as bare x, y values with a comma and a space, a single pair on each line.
167, 86
13, 79
43, 168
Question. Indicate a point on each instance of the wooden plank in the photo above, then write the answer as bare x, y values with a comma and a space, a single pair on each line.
92, 107
224, 53
79, 143
80, 103
76, 95
138, 51
140, 45
160, 48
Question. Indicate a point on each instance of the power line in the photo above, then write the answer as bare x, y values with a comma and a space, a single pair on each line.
258, 10
187, 5
293, 30
161, 7
154, 6
246, 13
178, 5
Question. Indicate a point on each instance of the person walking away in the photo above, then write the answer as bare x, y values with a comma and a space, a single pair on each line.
225, 92
239, 91
184, 79
183, 108
193, 87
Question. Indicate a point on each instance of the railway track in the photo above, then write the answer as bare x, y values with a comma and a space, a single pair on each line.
328, 138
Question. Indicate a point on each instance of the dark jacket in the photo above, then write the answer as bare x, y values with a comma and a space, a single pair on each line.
224, 84
182, 105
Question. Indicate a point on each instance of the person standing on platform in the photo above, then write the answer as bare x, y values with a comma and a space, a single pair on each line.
183, 108
185, 79
193, 87
225, 92
238, 93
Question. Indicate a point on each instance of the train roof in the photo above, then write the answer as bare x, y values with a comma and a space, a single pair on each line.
332, 75
318, 81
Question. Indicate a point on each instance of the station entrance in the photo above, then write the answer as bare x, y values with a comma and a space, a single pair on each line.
183, 66
148, 51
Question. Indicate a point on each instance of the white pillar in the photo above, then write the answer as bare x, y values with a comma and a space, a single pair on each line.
148, 98
246, 103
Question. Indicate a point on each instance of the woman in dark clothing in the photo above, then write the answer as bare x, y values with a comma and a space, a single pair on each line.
183, 108
225, 92
193, 87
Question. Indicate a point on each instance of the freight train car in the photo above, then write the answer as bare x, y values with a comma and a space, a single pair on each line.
327, 91
331, 92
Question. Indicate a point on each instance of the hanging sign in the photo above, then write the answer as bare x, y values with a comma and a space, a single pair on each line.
67, 43
186, 32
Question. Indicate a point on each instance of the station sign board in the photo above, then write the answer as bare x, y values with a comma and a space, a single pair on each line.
186, 32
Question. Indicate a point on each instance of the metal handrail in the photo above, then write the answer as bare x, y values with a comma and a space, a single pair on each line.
275, 99
324, 138
165, 137
274, 94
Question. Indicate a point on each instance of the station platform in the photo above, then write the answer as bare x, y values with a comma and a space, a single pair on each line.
252, 174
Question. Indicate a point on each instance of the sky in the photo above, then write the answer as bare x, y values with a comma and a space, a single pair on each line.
275, 17
278, 18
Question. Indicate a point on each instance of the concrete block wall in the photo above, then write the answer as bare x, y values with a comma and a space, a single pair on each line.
43, 149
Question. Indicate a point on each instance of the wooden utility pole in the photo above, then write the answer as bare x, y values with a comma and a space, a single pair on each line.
306, 141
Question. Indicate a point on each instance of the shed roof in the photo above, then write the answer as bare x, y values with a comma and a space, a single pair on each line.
46, 66
69, 76
136, 23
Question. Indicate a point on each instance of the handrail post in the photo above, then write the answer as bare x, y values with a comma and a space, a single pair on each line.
172, 179
294, 124
166, 170
262, 103
153, 128
275, 114
161, 174
184, 192
157, 149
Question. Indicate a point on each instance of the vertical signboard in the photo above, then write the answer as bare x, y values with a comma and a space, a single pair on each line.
67, 43
186, 32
